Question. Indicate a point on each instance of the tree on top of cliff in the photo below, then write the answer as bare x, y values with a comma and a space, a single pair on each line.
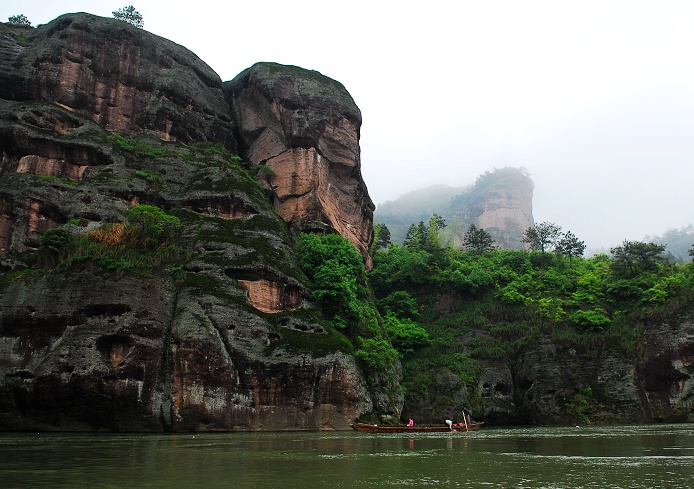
20, 19
543, 236
130, 15
570, 246
634, 257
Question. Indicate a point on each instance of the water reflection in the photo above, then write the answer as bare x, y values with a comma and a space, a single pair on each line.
591, 457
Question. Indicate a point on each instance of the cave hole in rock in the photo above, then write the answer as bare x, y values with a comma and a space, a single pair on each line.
114, 348
502, 388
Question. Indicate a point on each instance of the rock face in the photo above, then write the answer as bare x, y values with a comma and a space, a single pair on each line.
506, 211
224, 337
125, 79
305, 127
547, 382
232, 342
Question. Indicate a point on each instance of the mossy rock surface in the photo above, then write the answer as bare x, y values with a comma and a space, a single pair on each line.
170, 335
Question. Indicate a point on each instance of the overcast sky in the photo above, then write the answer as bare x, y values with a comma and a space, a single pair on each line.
594, 99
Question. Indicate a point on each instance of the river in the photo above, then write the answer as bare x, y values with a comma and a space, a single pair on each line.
643, 456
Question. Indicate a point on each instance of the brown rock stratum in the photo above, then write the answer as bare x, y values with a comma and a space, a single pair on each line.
305, 127
125, 79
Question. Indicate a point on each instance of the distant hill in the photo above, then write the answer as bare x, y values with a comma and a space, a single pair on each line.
499, 202
678, 242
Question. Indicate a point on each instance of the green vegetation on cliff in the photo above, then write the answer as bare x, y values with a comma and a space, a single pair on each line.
338, 281
145, 242
475, 307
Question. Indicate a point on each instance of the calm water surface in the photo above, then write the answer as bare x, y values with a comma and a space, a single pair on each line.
651, 456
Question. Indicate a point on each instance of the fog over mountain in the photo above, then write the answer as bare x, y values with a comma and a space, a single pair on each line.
609, 175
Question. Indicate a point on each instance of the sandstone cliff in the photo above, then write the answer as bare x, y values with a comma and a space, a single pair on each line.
123, 78
305, 127
545, 383
224, 337
504, 207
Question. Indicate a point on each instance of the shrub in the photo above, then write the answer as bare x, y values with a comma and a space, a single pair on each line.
20, 19
56, 239
150, 176
376, 352
130, 15
113, 234
593, 319
140, 148
265, 172
157, 225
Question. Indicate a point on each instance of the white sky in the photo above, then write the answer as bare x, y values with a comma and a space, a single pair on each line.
594, 98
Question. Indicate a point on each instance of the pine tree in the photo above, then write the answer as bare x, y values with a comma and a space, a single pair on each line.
477, 240
130, 15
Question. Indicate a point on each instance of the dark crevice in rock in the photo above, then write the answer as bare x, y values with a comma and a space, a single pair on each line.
165, 369
115, 309
226, 207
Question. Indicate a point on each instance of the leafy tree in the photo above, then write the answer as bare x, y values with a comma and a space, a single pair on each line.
376, 352
381, 238
405, 334
415, 237
542, 237
338, 276
433, 233
157, 225
478, 240
634, 257
399, 268
20, 19
691, 252
570, 246
336, 269
400, 303
335, 285
130, 15
56, 239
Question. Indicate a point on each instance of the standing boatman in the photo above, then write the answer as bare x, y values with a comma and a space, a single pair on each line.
466, 415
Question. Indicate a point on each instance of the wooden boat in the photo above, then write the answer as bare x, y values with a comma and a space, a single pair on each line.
438, 428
